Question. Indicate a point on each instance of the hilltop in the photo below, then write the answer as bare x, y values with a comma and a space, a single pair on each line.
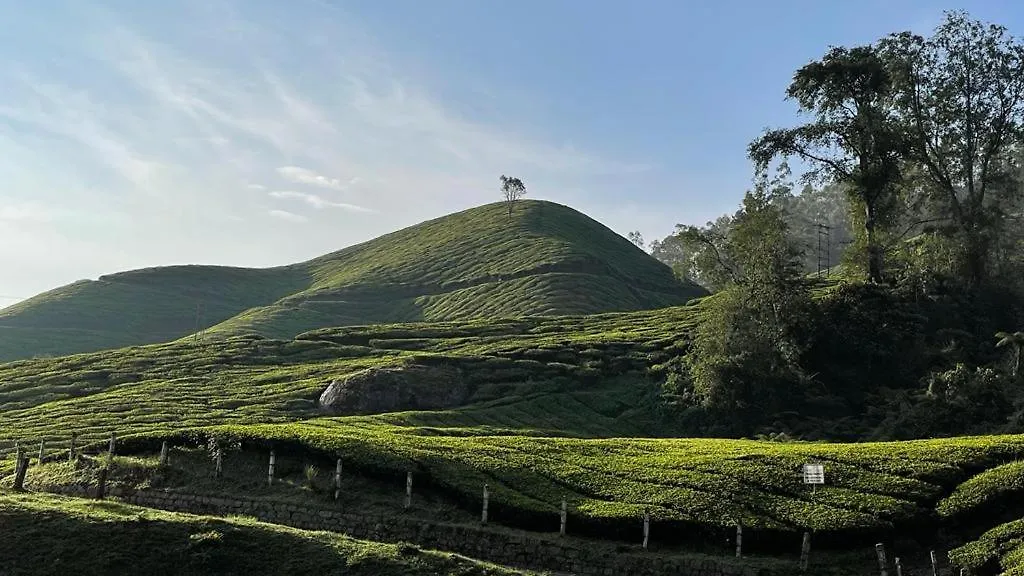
547, 259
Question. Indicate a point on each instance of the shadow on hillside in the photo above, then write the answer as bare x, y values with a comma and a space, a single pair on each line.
111, 538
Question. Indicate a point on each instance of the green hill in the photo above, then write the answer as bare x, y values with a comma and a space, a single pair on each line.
547, 259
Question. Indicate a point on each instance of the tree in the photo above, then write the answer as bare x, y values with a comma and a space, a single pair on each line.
960, 105
636, 238
852, 139
745, 358
1013, 340
512, 189
695, 253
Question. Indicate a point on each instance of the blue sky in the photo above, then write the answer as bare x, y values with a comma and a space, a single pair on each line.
261, 132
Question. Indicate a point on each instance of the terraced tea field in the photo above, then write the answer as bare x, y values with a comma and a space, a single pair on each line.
559, 408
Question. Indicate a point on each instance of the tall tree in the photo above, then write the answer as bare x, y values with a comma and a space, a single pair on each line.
852, 138
960, 100
512, 189
745, 359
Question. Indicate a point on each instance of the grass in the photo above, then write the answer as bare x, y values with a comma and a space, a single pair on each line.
56, 535
546, 260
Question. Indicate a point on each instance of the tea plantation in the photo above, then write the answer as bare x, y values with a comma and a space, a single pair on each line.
559, 408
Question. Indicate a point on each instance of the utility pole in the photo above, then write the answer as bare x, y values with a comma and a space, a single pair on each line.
828, 252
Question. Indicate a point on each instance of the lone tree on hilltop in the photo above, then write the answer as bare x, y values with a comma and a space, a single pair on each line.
636, 238
513, 189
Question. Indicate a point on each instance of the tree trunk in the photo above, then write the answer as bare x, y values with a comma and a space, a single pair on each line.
874, 253
976, 256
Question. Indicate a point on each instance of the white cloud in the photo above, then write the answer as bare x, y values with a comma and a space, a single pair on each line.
289, 216
300, 175
317, 201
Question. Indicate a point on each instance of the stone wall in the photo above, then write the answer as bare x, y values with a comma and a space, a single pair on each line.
500, 546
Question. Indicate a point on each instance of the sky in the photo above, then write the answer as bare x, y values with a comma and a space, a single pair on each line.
261, 132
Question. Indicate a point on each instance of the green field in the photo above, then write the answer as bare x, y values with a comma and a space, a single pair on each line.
55, 535
556, 407
547, 259
560, 407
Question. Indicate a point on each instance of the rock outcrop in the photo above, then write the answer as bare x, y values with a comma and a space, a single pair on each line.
395, 389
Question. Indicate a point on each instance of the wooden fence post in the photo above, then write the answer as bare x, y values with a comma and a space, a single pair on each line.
20, 469
805, 551
561, 529
935, 563
113, 443
337, 480
739, 539
647, 528
270, 469
164, 453
880, 552
71, 448
483, 514
101, 484
408, 489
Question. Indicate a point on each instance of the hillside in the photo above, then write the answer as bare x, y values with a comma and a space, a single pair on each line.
548, 259
539, 408
81, 537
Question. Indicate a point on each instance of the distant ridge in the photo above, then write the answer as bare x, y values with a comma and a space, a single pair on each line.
547, 259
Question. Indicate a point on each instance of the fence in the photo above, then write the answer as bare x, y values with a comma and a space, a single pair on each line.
44, 451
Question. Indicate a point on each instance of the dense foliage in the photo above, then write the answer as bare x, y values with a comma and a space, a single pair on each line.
918, 141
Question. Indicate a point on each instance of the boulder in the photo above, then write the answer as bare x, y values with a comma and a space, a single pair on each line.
395, 389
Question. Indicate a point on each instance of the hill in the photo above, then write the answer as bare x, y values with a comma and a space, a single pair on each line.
547, 259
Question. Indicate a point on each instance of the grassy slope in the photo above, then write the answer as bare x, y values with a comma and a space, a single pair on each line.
54, 535
555, 402
571, 374
546, 259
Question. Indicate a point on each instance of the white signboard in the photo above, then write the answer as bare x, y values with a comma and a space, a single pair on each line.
814, 473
